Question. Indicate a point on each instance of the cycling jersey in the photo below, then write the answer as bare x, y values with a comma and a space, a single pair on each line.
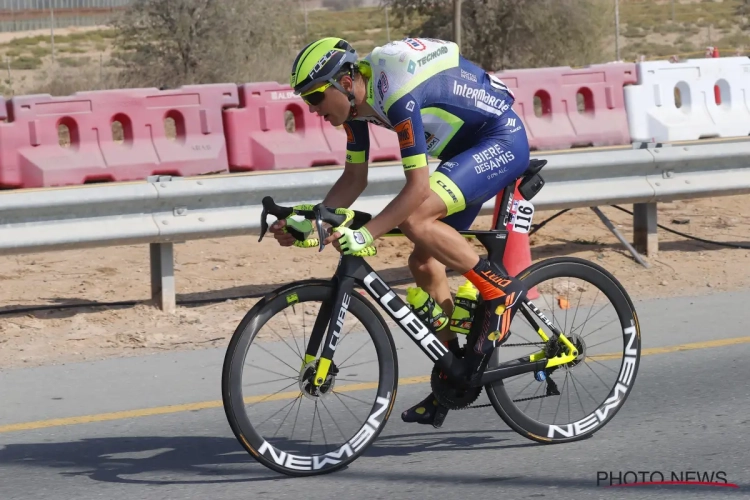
434, 99
443, 105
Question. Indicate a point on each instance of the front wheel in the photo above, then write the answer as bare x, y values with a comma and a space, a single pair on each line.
273, 407
571, 401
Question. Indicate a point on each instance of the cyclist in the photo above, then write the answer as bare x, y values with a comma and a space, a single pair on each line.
439, 104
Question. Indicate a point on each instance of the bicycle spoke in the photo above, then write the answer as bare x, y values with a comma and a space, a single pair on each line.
521, 391
268, 381
575, 314
352, 397
551, 308
567, 301
568, 393
535, 393
291, 330
296, 400
601, 343
358, 364
588, 317
304, 327
575, 388
605, 366
275, 393
291, 403
322, 430
325, 407
296, 417
275, 356
559, 401
355, 352
284, 342
597, 375
345, 405
312, 428
345, 335
271, 371
584, 388
594, 331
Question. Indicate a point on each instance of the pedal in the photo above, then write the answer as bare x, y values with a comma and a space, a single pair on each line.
440, 414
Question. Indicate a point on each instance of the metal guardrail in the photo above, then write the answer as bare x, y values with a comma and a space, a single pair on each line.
165, 210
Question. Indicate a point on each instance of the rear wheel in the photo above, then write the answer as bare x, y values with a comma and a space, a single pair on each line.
575, 400
274, 409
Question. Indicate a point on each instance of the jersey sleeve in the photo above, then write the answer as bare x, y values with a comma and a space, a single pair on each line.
406, 118
357, 141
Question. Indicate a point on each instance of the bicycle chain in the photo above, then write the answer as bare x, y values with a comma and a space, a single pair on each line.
520, 344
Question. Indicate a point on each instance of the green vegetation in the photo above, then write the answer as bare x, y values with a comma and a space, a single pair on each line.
74, 62
364, 28
26, 62
659, 28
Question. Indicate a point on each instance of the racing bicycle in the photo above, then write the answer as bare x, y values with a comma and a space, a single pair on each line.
263, 393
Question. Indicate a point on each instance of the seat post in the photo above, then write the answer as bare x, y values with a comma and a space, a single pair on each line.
502, 216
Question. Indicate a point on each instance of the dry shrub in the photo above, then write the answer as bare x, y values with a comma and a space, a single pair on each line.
179, 42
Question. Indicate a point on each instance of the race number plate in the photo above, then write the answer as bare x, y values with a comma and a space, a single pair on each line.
521, 215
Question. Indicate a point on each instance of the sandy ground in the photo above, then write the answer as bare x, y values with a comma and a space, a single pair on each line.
238, 266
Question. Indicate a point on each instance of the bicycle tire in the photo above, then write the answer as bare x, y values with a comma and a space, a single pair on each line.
606, 411
233, 401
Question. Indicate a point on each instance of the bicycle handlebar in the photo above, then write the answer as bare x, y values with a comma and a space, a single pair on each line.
319, 213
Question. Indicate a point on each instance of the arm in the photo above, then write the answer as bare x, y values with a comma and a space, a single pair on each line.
353, 180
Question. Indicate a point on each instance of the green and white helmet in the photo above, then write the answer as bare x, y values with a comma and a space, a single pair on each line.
321, 61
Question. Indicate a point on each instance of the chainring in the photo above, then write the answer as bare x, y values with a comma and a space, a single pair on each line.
449, 395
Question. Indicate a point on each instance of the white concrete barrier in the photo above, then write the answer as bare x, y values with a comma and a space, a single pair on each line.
689, 100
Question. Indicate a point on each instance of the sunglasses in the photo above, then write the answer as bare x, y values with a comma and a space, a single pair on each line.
315, 97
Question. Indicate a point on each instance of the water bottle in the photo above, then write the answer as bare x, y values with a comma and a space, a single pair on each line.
426, 308
463, 308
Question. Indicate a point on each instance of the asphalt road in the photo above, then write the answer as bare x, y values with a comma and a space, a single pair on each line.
153, 427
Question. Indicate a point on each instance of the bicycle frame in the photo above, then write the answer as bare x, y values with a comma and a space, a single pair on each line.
353, 271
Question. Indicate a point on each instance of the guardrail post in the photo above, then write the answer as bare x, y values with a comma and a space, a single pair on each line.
162, 276
645, 236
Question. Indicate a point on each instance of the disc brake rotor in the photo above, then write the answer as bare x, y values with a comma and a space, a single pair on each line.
307, 376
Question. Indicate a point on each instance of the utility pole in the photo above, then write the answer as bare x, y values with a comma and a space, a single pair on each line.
387, 28
617, 30
672, 2
457, 22
304, 7
52, 27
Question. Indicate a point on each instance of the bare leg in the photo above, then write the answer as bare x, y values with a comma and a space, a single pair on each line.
442, 242
429, 275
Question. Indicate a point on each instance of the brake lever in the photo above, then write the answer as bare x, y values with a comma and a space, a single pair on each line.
319, 226
263, 223
270, 207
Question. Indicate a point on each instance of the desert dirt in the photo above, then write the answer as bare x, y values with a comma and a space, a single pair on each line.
236, 266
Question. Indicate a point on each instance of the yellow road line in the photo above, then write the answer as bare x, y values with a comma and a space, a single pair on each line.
164, 410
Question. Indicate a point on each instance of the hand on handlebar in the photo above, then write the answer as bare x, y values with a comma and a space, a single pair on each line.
290, 231
318, 219
350, 241
278, 229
